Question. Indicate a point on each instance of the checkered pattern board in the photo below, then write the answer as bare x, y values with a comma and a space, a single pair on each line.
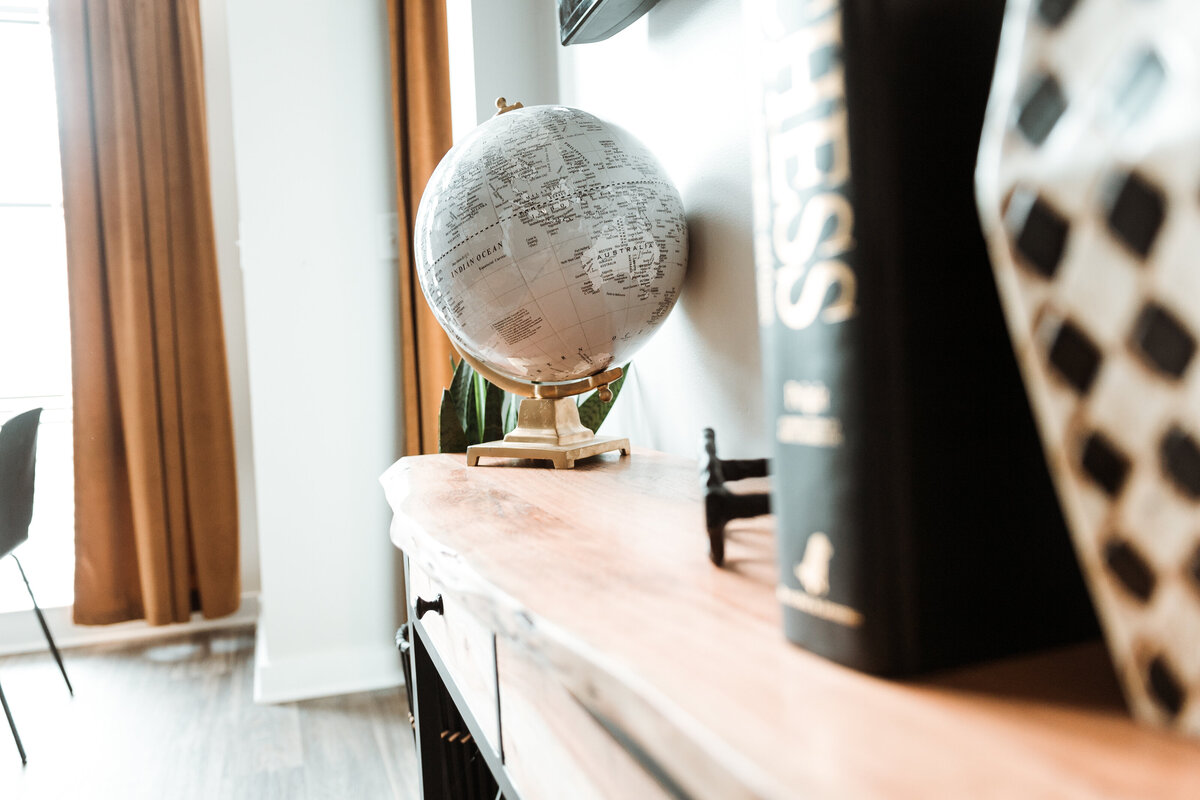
1089, 189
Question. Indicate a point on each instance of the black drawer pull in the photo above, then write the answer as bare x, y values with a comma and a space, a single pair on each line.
424, 605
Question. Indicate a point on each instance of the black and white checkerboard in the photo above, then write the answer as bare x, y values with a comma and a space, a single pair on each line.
1089, 188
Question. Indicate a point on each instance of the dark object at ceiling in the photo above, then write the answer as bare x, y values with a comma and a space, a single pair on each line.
586, 21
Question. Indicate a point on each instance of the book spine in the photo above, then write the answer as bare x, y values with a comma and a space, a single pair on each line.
823, 332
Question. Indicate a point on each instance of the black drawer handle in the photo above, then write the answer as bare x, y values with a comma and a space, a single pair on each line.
434, 605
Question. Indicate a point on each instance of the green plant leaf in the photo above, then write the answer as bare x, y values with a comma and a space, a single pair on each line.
471, 428
512, 403
460, 386
450, 435
592, 412
493, 410
481, 388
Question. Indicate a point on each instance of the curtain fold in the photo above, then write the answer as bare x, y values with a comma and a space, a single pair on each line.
155, 487
421, 116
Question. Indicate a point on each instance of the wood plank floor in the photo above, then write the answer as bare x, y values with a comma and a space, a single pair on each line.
176, 719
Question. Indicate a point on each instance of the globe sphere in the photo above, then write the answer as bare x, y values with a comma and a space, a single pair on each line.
550, 244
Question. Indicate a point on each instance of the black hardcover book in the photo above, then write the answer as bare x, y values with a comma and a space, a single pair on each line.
917, 525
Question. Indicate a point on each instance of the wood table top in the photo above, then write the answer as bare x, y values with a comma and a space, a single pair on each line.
602, 573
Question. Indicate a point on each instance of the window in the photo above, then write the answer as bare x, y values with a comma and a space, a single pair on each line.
35, 366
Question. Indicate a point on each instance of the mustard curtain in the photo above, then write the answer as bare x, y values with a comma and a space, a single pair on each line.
155, 489
421, 116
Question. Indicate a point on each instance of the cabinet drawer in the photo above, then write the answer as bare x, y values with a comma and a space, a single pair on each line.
552, 747
464, 646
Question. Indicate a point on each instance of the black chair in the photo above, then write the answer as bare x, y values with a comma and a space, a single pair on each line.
18, 450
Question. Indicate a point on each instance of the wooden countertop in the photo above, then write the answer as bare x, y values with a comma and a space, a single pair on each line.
601, 572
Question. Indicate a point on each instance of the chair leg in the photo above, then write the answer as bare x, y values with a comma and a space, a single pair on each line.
13, 726
45, 629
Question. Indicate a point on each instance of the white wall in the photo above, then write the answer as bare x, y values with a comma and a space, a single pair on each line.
223, 177
500, 49
312, 144
676, 79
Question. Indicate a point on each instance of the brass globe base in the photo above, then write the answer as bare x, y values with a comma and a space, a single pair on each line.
548, 426
548, 429
545, 421
563, 456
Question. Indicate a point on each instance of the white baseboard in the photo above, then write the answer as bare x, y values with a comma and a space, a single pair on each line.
300, 677
20, 632
324, 674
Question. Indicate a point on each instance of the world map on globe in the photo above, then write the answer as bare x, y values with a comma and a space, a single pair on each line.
550, 244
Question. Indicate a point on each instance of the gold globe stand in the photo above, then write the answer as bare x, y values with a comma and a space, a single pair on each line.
548, 424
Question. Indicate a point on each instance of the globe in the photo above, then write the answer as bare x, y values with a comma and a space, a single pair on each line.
550, 244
